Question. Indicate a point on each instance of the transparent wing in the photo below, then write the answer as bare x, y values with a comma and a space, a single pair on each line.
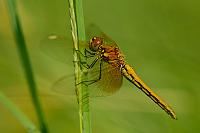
111, 80
110, 83
65, 85
59, 48
95, 31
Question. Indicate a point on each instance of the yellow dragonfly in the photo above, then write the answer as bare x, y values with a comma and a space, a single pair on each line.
107, 78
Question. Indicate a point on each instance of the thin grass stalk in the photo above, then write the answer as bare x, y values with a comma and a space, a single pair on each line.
74, 37
85, 95
76, 64
26, 122
19, 38
78, 34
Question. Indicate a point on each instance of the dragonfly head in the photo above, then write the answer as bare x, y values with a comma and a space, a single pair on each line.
95, 42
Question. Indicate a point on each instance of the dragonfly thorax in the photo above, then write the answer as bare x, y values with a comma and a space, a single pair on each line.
112, 54
95, 43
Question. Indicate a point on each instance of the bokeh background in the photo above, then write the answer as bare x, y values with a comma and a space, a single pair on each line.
160, 40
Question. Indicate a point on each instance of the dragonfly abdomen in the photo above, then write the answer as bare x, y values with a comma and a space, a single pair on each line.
130, 74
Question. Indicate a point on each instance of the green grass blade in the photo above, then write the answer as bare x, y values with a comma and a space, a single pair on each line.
78, 33
76, 65
77, 72
26, 122
19, 38
81, 37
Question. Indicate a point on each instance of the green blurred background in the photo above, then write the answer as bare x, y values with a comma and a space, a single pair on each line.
160, 40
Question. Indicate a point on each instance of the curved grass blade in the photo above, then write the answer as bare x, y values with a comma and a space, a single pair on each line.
19, 38
26, 122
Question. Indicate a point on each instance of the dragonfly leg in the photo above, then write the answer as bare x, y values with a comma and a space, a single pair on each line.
91, 54
94, 62
82, 64
88, 56
101, 65
91, 65
93, 81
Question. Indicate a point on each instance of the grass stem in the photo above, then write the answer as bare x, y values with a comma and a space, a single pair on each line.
19, 38
26, 122
78, 34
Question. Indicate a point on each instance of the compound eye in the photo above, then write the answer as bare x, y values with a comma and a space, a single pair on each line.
93, 39
95, 42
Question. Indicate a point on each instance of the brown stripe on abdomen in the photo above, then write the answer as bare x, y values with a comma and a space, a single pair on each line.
130, 74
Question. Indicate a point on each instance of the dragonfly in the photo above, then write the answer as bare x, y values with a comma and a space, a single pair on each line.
111, 67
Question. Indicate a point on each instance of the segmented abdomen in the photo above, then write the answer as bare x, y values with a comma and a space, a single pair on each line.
130, 74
